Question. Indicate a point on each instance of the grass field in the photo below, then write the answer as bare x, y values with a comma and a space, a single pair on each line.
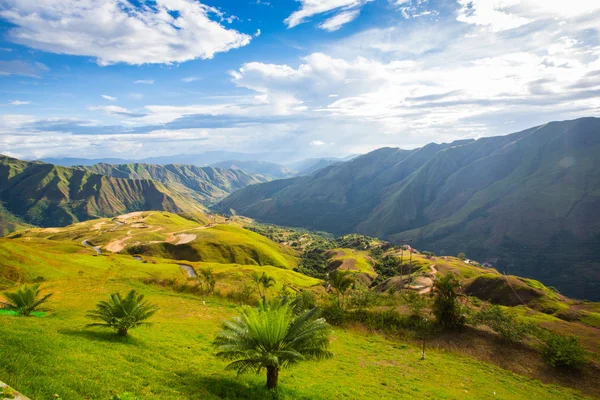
173, 359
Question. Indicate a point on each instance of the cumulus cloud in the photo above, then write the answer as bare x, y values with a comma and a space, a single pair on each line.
122, 31
310, 8
337, 21
109, 98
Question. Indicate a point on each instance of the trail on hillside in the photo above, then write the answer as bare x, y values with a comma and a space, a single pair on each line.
88, 244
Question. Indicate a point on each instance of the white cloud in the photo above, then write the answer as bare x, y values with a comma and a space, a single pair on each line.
22, 68
19, 102
121, 31
311, 8
137, 96
500, 15
109, 98
337, 21
116, 111
317, 143
144, 82
190, 79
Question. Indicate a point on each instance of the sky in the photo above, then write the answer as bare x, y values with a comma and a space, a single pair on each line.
142, 78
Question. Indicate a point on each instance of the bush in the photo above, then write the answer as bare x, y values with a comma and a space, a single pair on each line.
462, 256
564, 352
362, 298
447, 306
25, 300
501, 322
416, 303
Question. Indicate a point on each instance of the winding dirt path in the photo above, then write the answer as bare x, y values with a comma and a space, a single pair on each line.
189, 269
88, 244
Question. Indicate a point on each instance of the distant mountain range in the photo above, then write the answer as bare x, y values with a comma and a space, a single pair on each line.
251, 163
48, 195
528, 202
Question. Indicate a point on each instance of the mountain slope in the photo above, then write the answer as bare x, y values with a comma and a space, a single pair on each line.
527, 201
202, 184
48, 195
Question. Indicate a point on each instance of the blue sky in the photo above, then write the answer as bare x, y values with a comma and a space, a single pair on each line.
134, 79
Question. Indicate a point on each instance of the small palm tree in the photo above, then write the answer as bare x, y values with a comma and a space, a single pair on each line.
271, 337
24, 301
263, 282
341, 281
122, 314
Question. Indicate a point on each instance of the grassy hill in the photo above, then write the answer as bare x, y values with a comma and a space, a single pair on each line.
47, 195
525, 201
203, 184
173, 359
9, 223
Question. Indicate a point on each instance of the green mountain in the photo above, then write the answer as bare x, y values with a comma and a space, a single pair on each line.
48, 195
527, 202
10, 223
202, 184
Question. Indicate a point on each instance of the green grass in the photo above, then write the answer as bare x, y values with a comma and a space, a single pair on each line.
173, 359
359, 261
224, 244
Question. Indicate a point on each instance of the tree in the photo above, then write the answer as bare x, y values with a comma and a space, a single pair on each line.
447, 306
341, 281
271, 337
462, 256
263, 282
25, 300
123, 314
206, 281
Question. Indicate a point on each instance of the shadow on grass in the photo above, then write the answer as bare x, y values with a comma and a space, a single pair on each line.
224, 387
102, 336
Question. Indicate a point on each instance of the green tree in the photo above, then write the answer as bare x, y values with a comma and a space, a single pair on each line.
462, 256
122, 313
206, 281
263, 283
271, 337
341, 282
447, 305
25, 300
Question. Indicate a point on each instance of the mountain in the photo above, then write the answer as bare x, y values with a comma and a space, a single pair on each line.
10, 223
205, 185
527, 202
200, 159
48, 195
310, 165
264, 168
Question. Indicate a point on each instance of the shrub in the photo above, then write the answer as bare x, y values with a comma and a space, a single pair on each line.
362, 298
25, 300
447, 306
564, 352
504, 323
462, 256
122, 313
416, 303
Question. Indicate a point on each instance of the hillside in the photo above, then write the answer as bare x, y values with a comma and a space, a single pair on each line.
204, 184
47, 195
524, 201
9, 223
174, 358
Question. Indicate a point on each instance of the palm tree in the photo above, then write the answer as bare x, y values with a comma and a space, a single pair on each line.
263, 282
447, 307
341, 281
206, 281
24, 301
271, 337
122, 314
